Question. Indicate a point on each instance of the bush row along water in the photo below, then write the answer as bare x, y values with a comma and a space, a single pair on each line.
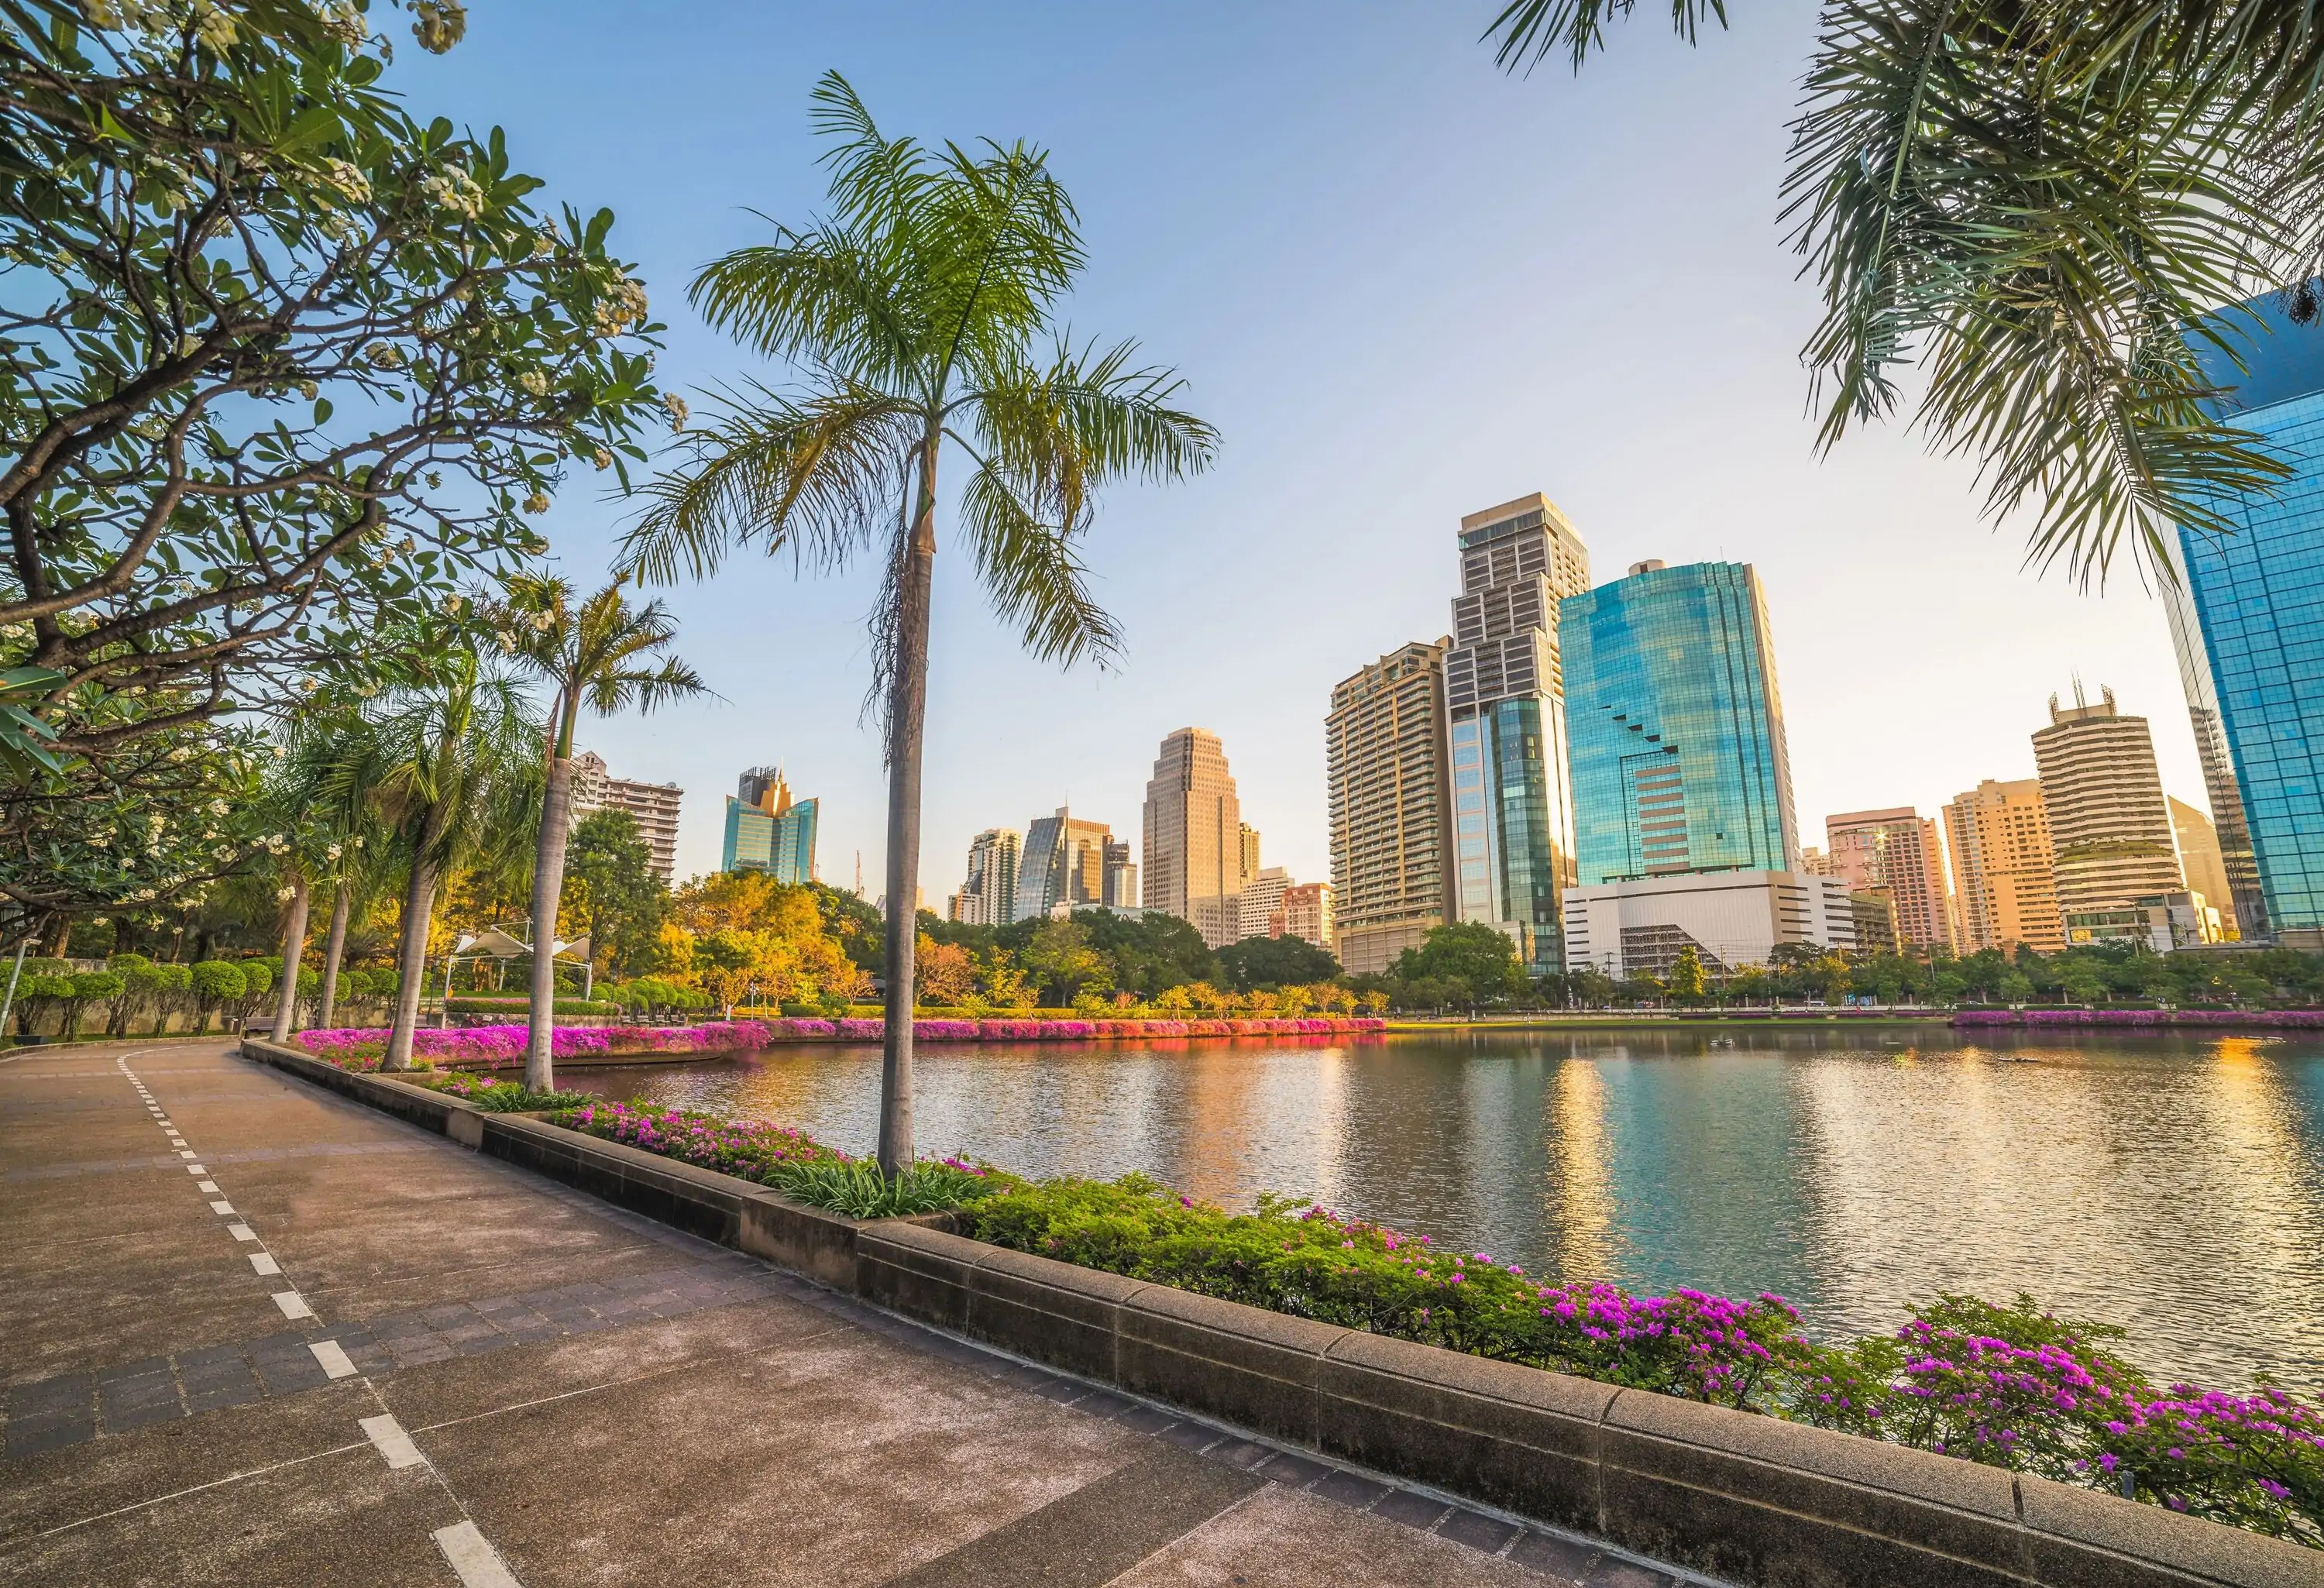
505, 1044
2281, 1019
2007, 1386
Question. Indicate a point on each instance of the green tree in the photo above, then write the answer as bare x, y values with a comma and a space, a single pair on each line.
1276, 962
2035, 205
439, 754
1148, 954
917, 308
602, 653
216, 984
1062, 963
610, 883
1687, 982
1483, 958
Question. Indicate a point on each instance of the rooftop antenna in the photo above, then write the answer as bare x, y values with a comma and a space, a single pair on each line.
2080, 700
859, 873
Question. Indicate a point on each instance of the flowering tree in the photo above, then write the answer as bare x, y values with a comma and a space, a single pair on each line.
280, 365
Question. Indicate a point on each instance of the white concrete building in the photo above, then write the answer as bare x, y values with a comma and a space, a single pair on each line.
1732, 918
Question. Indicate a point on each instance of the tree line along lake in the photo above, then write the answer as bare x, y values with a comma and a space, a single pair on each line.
2174, 1185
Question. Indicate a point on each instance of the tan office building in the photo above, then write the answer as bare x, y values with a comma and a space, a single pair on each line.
653, 805
2109, 824
1192, 866
1998, 836
1896, 853
1390, 805
2205, 866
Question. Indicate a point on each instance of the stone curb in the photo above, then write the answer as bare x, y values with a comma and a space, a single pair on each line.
1751, 1498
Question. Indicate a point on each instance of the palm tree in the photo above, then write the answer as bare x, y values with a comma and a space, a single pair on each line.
2043, 208
912, 312
600, 654
436, 757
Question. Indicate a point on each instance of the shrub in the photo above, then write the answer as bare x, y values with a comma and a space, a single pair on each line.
502, 1096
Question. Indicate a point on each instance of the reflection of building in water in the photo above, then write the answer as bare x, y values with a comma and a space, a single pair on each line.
2074, 1180
1578, 1192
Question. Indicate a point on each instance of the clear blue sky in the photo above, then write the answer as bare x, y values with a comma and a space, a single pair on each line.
1405, 287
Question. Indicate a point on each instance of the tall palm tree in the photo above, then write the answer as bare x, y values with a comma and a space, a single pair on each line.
435, 756
912, 314
2042, 206
599, 653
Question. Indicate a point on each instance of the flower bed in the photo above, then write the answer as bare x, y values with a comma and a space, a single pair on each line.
503, 1045
2009, 1387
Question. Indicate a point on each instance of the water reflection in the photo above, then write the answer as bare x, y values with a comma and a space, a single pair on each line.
2170, 1184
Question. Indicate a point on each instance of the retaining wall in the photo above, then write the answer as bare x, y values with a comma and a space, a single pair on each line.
1752, 1499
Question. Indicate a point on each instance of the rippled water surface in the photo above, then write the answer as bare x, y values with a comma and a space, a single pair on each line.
2175, 1185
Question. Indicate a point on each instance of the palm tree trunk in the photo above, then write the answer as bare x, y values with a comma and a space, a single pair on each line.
547, 887
907, 714
335, 948
294, 946
411, 962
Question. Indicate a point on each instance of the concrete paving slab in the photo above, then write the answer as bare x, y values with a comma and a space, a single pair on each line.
1281, 1539
344, 1520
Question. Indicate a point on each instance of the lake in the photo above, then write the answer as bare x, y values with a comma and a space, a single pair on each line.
2174, 1185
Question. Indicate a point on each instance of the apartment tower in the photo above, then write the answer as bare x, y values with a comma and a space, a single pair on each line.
1306, 913
2110, 825
988, 897
653, 807
1194, 836
1389, 805
2203, 863
1895, 853
1505, 696
1998, 836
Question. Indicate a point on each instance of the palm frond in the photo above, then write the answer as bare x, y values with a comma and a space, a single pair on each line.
824, 296
1527, 31
1031, 574
2040, 228
817, 475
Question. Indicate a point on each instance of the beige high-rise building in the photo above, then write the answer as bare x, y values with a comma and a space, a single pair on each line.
1193, 867
1305, 912
653, 805
1260, 911
1391, 804
1896, 853
1250, 867
2201, 859
2110, 825
1998, 835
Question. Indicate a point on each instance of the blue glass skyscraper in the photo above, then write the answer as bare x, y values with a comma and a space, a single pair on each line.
1674, 725
1512, 822
2259, 596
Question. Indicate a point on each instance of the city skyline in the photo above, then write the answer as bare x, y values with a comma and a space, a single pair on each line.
1491, 389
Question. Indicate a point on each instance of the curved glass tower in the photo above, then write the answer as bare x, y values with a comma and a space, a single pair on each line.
1674, 725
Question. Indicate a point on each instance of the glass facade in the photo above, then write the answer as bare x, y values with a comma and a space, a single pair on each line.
1675, 727
783, 845
1512, 821
2259, 595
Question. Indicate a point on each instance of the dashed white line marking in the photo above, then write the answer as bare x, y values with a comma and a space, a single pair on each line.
477, 1563
293, 1305
384, 1432
264, 1262
241, 1231
195, 1169
221, 1206
209, 1188
334, 1359
185, 1154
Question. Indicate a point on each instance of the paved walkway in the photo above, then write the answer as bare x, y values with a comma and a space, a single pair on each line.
253, 1334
